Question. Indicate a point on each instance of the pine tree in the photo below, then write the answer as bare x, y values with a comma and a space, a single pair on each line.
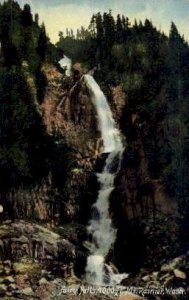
119, 29
92, 26
37, 19
27, 19
61, 36
42, 43
109, 29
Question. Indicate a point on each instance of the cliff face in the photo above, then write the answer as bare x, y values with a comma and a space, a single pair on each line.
139, 202
69, 120
69, 114
67, 110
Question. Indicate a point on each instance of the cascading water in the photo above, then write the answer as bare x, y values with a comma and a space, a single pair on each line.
66, 63
100, 226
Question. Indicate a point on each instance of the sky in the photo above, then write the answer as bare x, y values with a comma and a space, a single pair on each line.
61, 14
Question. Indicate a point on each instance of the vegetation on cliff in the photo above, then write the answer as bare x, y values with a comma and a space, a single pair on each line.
153, 71
25, 148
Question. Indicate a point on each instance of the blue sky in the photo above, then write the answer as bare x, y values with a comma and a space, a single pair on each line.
60, 14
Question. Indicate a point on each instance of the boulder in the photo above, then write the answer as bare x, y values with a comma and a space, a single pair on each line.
43, 281
9, 279
172, 265
179, 274
66, 251
146, 278
27, 291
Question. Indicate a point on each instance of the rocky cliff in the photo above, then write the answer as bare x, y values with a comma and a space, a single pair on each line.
62, 201
69, 118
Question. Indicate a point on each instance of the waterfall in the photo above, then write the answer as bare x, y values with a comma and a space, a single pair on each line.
100, 227
66, 64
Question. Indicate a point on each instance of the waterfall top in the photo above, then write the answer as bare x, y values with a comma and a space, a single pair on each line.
110, 134
66, 63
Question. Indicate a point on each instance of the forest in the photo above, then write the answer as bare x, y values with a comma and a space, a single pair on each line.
49, 138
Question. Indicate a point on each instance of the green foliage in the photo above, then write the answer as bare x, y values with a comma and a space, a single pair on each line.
17, 121
153, 70
25, 151
22, 38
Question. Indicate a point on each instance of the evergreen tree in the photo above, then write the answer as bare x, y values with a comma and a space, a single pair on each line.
109, 29
42, 43
27, 18
99, 28
92, 26
119, 29
61, 35
37, 19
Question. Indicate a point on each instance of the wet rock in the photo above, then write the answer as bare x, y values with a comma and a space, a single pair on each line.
155, 275
1, 269
27, 291
166, 268
44, 291
58, 281
169, 281
22, 281
21, 240
44, 272
164, 277
146, 278
9, 294
13, 286
3, 287
7, 270
179, 274
66, 250
49, 257
171, 265
8, 279
43, 281
8, 263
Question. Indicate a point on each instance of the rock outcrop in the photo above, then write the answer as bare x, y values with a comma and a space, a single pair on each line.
70, 122
170, 281
32, 258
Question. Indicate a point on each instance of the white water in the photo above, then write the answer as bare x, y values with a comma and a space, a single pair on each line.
66, 63
100, 226
110, 134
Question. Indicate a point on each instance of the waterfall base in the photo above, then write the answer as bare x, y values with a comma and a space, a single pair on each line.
101, 274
